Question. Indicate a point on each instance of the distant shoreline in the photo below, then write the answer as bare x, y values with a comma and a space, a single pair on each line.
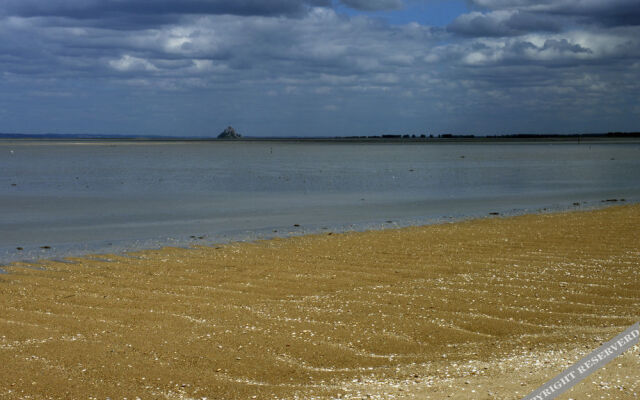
387, 139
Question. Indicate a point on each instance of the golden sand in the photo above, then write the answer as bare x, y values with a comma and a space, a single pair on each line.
490, 308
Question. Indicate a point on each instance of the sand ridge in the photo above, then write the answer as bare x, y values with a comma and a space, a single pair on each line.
489, 308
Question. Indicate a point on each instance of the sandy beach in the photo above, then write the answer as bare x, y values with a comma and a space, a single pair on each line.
488, 308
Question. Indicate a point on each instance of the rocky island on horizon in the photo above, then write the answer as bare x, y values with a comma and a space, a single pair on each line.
229, 133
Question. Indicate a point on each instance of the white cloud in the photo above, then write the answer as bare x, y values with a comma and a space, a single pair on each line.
128, 63
497, 58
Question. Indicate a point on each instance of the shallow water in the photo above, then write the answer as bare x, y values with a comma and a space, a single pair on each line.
118, 196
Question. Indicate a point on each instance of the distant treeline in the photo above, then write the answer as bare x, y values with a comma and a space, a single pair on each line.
507, 136
423, 136
576, 135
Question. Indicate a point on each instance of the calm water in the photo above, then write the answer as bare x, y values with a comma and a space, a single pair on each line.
76, 198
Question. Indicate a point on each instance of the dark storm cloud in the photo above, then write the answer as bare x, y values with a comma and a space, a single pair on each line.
305, 61
149, 10
563, 45
601, 12
373, 5
210, 48
504, 23
564, 38
94, 9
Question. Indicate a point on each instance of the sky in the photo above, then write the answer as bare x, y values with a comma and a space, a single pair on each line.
319, 67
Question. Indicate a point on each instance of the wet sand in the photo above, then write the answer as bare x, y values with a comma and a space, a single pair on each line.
489, 308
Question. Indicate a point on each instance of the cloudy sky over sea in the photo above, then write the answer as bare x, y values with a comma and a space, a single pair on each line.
319, 67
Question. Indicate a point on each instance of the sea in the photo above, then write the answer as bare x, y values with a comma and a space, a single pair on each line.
71, 198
